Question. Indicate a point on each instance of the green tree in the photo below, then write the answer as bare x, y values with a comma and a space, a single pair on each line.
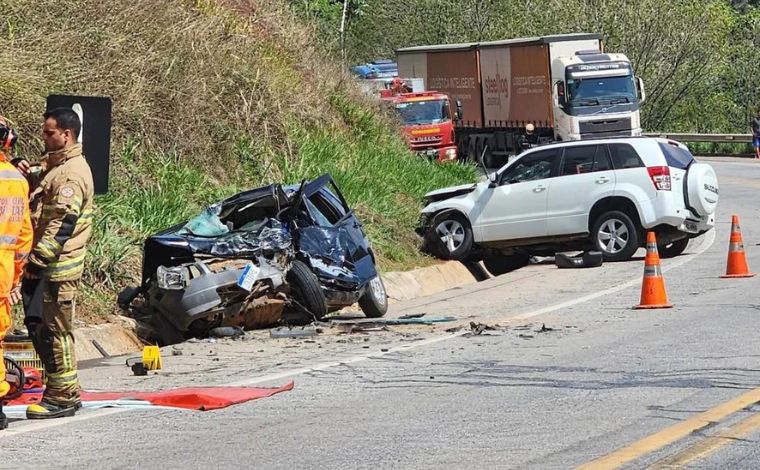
679, 48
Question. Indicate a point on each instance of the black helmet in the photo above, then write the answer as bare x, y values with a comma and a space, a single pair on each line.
8, 137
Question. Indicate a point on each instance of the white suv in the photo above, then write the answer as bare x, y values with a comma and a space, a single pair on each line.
601, 194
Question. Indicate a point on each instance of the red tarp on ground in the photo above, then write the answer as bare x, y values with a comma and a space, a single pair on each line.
197, 398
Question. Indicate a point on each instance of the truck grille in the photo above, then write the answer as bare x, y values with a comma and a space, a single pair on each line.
605, 128
427, 143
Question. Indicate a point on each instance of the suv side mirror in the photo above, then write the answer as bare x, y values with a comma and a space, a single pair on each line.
459, 114
559, 94
640, 89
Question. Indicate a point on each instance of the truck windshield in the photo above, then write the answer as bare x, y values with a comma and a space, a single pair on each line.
594, 91
424, 112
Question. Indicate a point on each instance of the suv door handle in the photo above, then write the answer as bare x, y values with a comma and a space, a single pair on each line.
602, 180
538, 189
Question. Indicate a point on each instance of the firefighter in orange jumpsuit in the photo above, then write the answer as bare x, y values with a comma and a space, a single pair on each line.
15, 241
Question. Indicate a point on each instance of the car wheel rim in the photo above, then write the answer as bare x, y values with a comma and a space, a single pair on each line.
613, 236
378, 290
451, 234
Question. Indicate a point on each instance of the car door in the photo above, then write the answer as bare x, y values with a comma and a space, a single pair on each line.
334, 241
516, 207
585, 176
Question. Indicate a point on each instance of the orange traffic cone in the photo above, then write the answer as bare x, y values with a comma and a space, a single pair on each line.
653, 293
737, 259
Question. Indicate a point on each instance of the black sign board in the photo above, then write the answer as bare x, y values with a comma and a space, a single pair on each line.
95, 113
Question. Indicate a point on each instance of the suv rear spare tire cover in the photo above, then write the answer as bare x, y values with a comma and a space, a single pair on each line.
702, 189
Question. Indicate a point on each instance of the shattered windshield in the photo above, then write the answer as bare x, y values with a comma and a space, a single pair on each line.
424, 112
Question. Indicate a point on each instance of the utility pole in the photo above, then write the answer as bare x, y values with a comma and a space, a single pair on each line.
343, 33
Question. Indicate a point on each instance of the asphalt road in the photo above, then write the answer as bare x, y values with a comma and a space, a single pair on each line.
570, 375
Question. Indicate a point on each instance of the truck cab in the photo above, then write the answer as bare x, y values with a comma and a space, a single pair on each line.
428, 123
595, 95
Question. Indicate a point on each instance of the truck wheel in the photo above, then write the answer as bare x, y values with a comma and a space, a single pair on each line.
306, 290
615, 235
374, 302
472, 154
450, 236
673, 249
499, 263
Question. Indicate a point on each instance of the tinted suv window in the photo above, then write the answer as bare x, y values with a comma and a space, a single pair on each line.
676, 156
624, 156
578, 160
585, 159
602, 159
536, 166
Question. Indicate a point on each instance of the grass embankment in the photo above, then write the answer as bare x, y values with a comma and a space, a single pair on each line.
207, 101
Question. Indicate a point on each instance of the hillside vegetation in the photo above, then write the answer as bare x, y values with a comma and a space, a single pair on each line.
209, 98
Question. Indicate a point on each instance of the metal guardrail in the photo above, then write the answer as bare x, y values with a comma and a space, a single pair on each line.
722, 138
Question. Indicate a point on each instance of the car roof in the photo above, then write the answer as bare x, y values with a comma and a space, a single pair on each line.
647, 147
608, 140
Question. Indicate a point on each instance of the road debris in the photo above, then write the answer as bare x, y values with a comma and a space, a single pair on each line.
100, 348
365, 323
479, 328
544, 329
293, 332
226, 332
587, 259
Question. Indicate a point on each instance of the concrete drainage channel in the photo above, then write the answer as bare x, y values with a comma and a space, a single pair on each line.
116, 339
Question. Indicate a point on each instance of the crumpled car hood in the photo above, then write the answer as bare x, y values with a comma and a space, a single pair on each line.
447, 193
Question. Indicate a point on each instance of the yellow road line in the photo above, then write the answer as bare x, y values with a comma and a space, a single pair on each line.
672, 434
705, 447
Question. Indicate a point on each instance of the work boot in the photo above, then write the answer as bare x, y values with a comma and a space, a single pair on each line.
4, 389
47, 410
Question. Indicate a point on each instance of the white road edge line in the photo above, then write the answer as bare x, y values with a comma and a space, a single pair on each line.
707, 241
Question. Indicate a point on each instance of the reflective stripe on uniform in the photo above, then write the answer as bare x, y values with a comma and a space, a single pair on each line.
21, 255
66, 352
61, 379
11, 175
50, 209
62, 268
49, 249
8, 240
76, 204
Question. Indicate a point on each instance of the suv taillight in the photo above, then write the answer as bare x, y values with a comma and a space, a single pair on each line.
660, 177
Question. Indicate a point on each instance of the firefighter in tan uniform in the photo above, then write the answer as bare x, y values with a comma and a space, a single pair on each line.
15, 242
61, 202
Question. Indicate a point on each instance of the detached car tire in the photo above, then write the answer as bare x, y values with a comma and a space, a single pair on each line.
673, 249
306, 289
374, 302
499, 264
449, 236
615, 235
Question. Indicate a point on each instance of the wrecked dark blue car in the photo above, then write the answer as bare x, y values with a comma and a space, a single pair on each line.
261, 257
